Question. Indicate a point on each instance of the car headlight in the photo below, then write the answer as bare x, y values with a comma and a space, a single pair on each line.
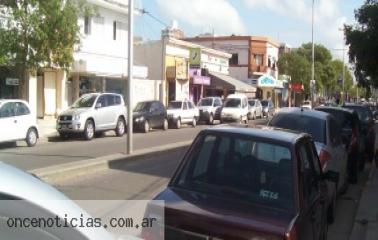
139, 119
76, 117
265, 110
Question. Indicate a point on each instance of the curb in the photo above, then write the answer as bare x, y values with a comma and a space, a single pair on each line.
362, 228
61, 172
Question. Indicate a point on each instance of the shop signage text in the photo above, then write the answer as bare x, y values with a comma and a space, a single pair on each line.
195, 58
12, 81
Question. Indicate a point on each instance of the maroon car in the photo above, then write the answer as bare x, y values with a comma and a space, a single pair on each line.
242, 183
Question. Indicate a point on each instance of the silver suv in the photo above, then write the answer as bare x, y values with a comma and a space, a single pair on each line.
210, 108
93, 113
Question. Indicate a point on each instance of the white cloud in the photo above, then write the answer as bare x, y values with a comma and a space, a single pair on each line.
328, 18
219, 15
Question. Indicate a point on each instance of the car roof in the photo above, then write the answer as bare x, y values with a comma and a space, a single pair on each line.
304, 112
345, 110
263, 132
2, 101
353, 105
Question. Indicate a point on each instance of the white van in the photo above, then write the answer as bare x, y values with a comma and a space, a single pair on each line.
235, 109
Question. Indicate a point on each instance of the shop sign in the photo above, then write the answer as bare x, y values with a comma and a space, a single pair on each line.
181, 69
297, 87
12, 81
201, 80
195, 58
266, 81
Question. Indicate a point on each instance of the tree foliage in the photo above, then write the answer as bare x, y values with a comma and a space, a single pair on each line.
362, 39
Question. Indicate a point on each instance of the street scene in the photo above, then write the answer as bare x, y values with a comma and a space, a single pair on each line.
201, 119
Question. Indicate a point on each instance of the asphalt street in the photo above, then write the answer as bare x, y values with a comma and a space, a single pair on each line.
57, 151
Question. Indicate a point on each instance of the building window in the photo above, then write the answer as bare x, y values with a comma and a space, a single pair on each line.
234, 59
259, 59
114, 30
87, 25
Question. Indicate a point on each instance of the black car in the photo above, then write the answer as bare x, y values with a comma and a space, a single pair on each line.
367, 129
351, 136
150, 114
244, 183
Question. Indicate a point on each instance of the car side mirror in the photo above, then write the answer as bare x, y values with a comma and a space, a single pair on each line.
98, 105
331, 176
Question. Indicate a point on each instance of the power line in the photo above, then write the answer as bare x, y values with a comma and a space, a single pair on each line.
144, 11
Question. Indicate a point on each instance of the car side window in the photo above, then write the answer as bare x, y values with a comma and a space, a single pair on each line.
102, 99
335, 132
161, 107
185, 106
190, 104
7, 110
154, 107
21, 109
218, 102
110, 99
117, 100
310, 186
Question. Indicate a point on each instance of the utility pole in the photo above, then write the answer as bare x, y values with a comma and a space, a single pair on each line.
129, 85
313, 54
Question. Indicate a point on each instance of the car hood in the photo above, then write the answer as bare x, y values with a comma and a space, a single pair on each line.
231, 110
139, 114
204, 108
74, 111
183, 209
174, 111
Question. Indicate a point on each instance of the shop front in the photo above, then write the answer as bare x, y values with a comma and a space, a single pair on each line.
177, 79
198, 82
270, 88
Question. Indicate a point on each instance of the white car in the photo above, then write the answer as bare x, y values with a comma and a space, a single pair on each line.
307, 105
180, 112
235, 109
255, 109
209, 109
17, 122
94, 113
28, 197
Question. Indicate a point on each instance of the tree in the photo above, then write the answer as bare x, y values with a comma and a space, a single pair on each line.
322, 54
363, 43
39, 33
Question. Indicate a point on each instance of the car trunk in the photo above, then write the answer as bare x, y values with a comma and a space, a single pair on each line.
191, 215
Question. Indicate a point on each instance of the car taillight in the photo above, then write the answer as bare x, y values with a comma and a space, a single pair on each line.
324, 157
291, 235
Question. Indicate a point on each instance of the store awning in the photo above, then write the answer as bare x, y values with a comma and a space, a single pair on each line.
229, 82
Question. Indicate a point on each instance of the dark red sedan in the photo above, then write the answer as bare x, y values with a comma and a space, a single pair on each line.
242, 183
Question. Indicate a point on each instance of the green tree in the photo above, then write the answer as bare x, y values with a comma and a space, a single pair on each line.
321, 53
39, 33
362, 39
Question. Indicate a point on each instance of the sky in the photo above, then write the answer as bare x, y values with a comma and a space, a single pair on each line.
287, 21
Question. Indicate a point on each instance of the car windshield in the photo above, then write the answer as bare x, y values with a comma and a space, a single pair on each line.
307, 124
232, 103
252, 103
345, 119
85, 101
364, 114
264, 103
174, 105
142, 107
244, 169
205, 102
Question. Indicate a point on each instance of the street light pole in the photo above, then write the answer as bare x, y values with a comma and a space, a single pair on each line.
313, 52
129, 85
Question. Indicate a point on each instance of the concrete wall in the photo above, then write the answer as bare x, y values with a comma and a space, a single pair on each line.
151, 56
240, 73
272, 51
50, 89
32, 94
145, 90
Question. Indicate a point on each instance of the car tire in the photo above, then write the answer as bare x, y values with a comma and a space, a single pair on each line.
331, 213
194, 122
146, 127
211, 119
165, 124
89, 130
31, 137
178, 123
120, 128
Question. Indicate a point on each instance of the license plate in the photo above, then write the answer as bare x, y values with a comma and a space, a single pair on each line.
63, 126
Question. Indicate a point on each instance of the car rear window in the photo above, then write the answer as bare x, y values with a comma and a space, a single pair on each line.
302, 123
241, 168
345, 119
364, 114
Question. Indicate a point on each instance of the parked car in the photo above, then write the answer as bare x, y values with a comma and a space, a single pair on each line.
182, 112
150, 114
307, 104
326, 133
243, 183
235, 109
29, 197
367, 128
93, 114
350, 134
268, 108
17, 122
255, 109
210, 109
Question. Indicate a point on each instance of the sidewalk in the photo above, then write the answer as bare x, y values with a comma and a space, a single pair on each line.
46, 128
366, 220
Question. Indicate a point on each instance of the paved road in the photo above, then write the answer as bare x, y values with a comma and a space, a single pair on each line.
57, 151
143, 179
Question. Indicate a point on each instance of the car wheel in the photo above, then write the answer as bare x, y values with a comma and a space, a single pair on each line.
211, 119
194, 122
331, 213
120, 129
89, 130
31, 137
146, 127
178, 123
165, 125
